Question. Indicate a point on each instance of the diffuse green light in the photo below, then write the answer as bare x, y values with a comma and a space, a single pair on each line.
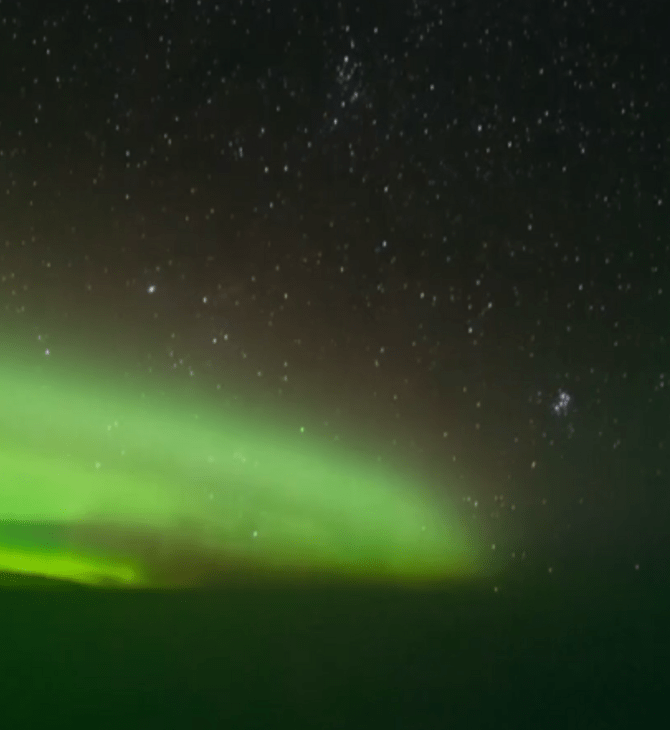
145, 490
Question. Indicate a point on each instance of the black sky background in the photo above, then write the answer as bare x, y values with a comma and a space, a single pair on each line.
444, 224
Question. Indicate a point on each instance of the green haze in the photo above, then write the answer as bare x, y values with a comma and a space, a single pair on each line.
106, 483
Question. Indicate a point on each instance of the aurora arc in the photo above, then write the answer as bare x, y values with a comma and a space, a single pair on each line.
107, 485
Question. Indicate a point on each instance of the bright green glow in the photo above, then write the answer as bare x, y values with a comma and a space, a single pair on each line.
66, 565
145, 490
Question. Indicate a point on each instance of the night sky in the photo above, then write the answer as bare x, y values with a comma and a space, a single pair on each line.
434, 233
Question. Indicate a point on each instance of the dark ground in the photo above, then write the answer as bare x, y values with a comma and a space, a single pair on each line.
586, 653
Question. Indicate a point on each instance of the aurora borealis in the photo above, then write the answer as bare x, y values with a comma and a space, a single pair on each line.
107, 489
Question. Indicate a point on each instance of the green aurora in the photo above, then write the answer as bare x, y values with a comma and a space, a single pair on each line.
111, 485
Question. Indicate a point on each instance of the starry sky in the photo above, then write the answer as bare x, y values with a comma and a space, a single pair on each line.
435, 230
